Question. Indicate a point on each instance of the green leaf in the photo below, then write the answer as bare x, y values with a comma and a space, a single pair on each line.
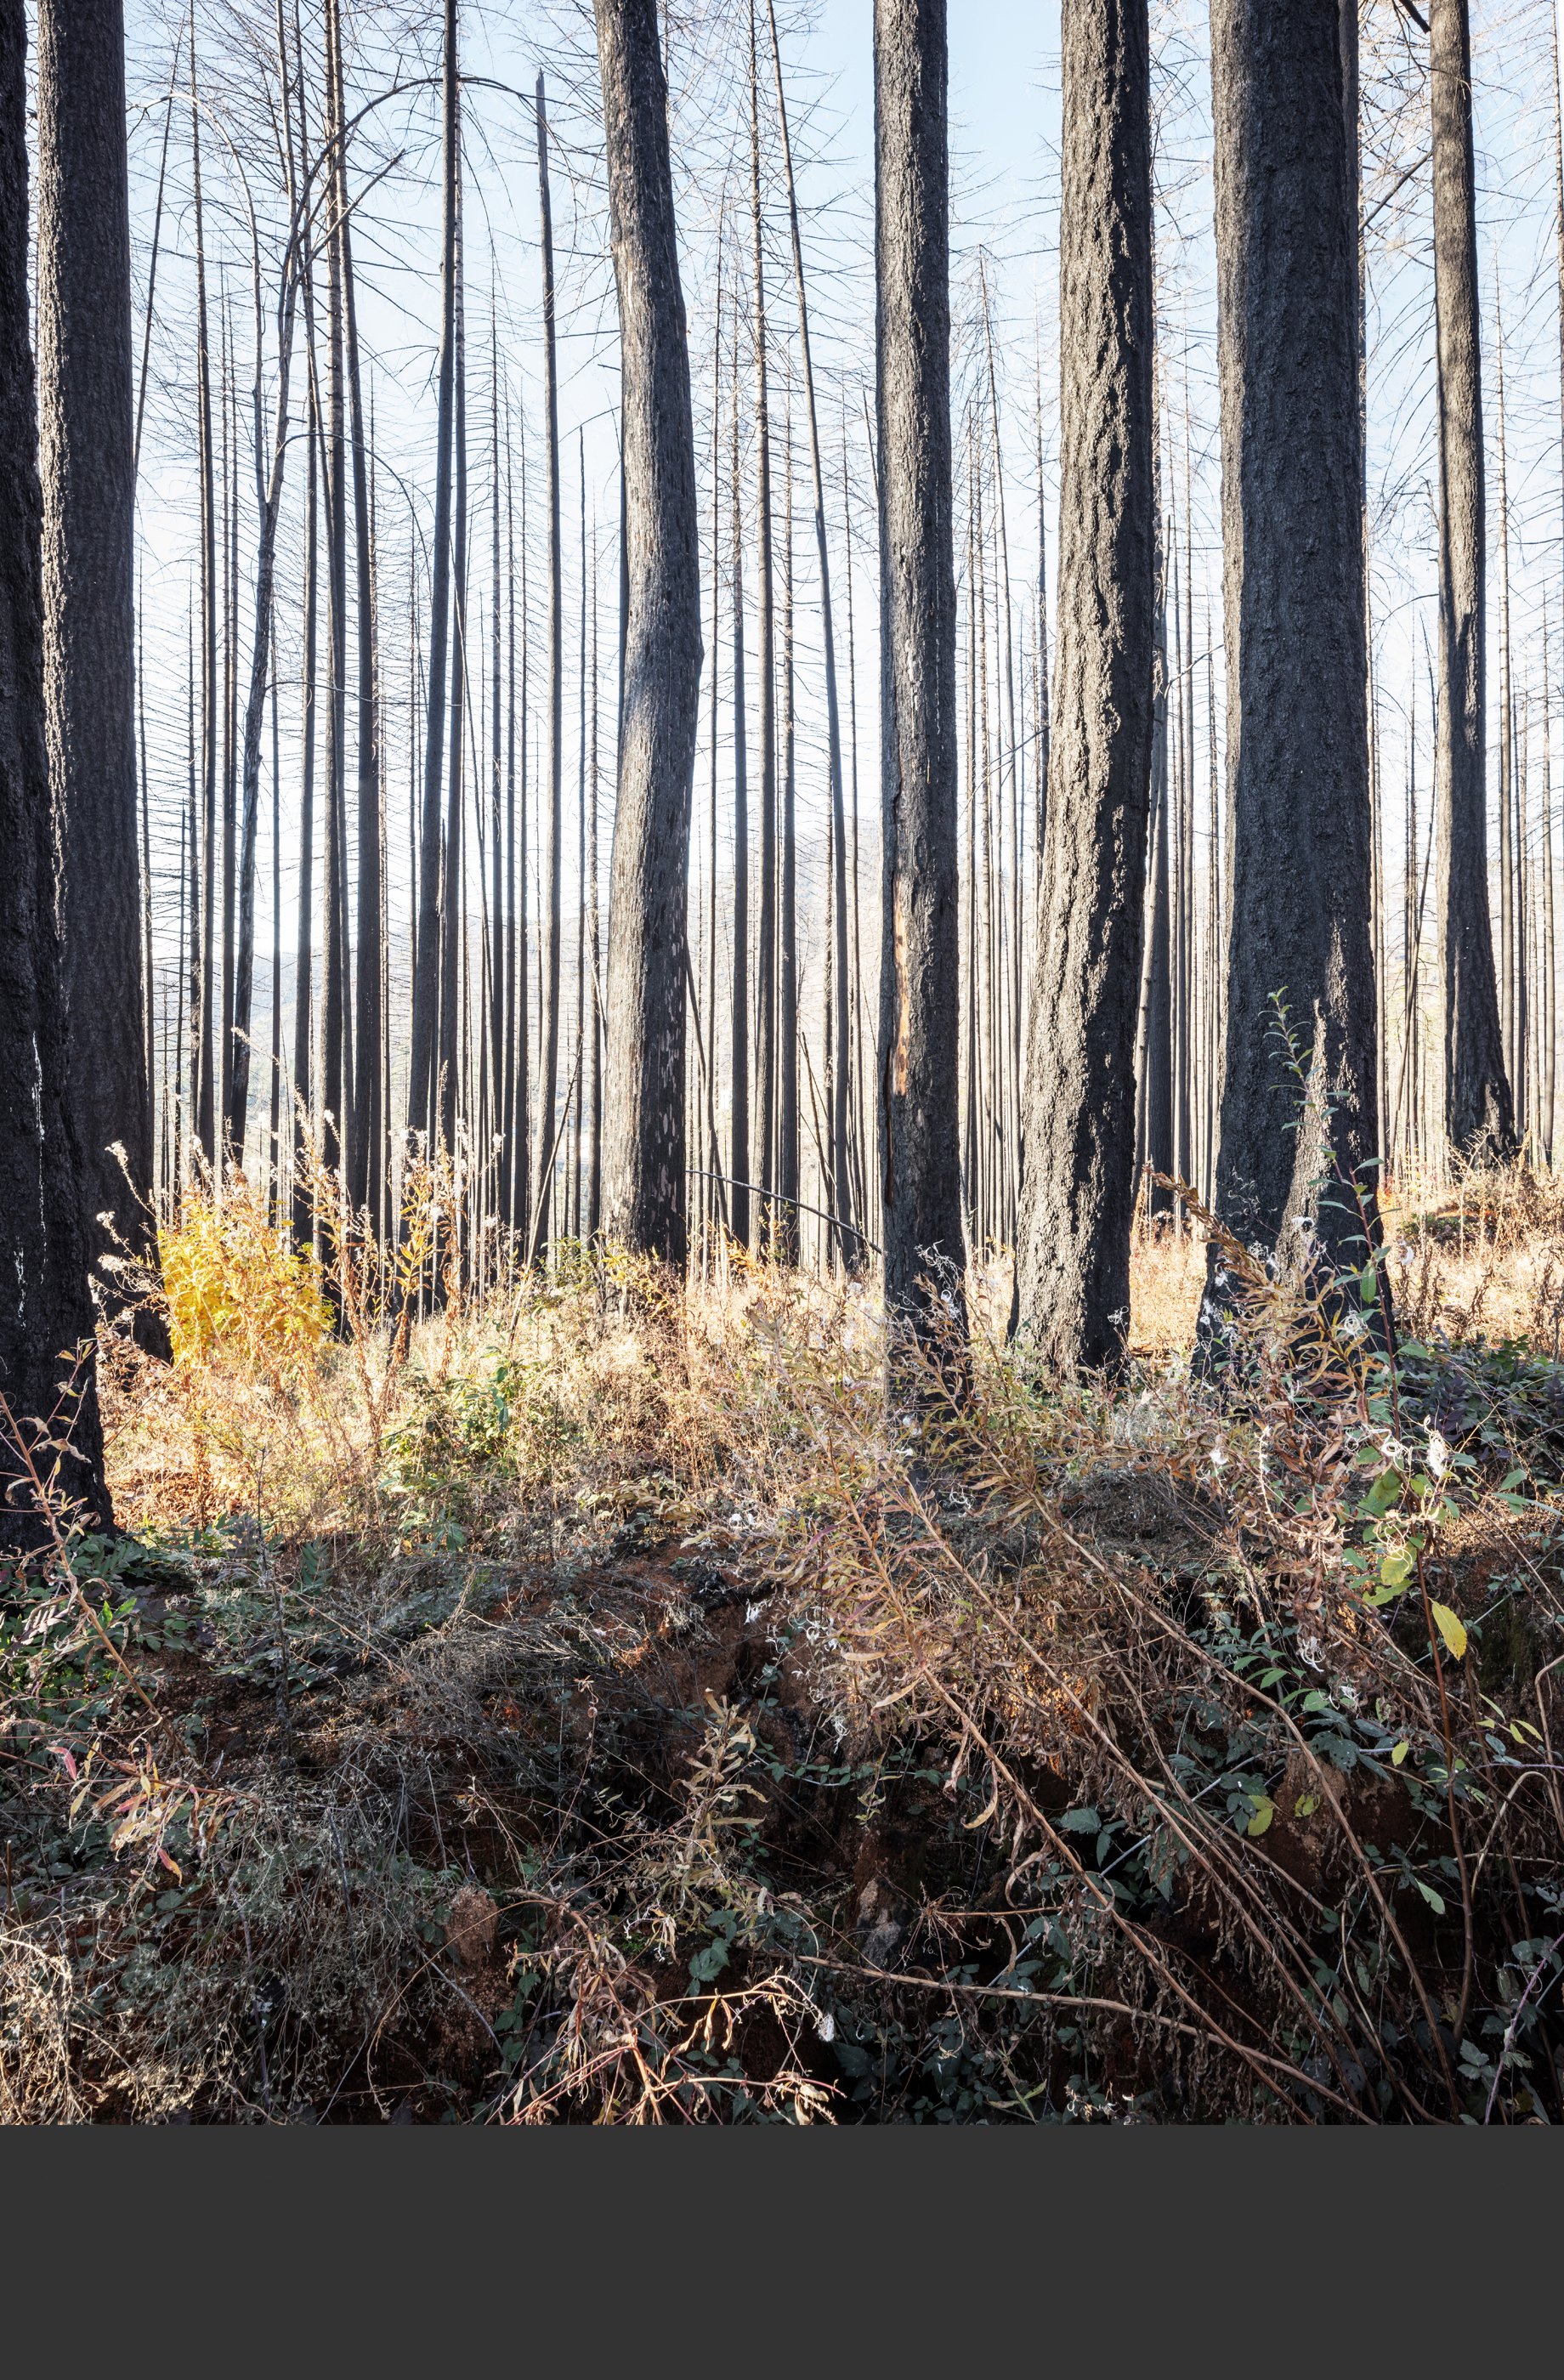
1399, 1753
1451, 1629
1508, 1486
1305, 1805
1265, 1811
1385, 1491
1435, 1900
1368, 1285
707, 1964
1080, 1822
1394, 1570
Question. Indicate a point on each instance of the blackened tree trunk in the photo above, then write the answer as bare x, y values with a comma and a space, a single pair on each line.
335, 1077
1156, 1059
262, 656
367, 1147
304, 958
838, 1051
579, 1153
763, 1170
232, 1152
644, 1185
422, 1114
453, 945
89, 594
1072, 1263
785, 1232
920, 1159
45, 1311
520, 1071
739, 1132
550, 895
1479, 1112
1297, 717
208, 1027
594, 945
499, 1119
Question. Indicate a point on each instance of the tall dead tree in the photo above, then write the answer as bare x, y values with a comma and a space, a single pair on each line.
739, 1102
207, 1028
89, 610
366, 1155
45, 1312
268, 490
1479, 1112
785, 1233
450, 1051
837, 1054
335, 1075
550, 896
498, 1124
919, 1149
594, 1093
304, 953
1072, 1267
422, 1087
1293, 1137
644, 1178
579, 1152
1155, 1081
763, 1170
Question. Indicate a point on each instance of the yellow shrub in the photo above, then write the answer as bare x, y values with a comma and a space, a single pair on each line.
236, 1289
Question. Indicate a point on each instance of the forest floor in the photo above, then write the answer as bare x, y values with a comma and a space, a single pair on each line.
599, 1707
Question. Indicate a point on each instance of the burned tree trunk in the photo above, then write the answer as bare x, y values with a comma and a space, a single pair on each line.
422, 1086
838, 1052
89, 597
1072, 1265
1479, 1112
1298, 1117
644, 1187
551, 821
739, 1101
45, 1312
920, 1160
367, 1146
208, 1027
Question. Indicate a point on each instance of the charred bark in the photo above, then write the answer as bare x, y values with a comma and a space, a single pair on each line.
45, 1311
1072, 1267
1479, 1110
1298, 1109
644, 1185
920, 1149
89, 597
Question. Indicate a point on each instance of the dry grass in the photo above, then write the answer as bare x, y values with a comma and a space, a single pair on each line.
1482, 1257
588, 1702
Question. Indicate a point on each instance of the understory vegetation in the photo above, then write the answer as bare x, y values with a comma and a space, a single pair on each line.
588, 1702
